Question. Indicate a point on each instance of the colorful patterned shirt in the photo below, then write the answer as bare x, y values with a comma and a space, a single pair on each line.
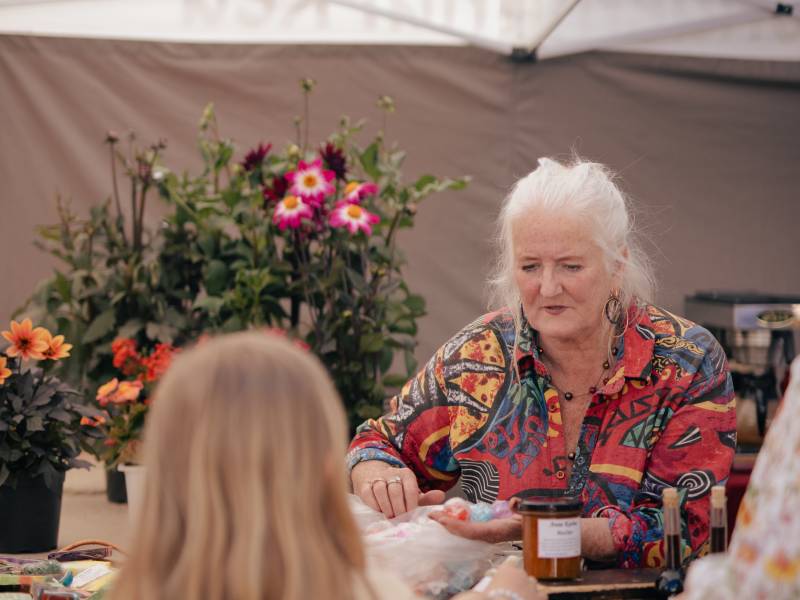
665, 417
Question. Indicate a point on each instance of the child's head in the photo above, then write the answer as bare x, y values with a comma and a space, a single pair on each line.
246, 494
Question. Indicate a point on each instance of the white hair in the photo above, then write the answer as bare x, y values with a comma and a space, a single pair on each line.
581, 188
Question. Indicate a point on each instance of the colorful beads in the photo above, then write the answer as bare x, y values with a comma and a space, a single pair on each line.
480, 512
501, 510
457, 508
460, 509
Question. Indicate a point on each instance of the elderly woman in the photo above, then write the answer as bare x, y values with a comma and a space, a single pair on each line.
577, 386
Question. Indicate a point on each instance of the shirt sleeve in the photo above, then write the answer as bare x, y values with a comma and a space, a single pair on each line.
415, 431
693, 453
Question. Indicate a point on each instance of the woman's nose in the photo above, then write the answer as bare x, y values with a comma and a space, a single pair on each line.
550, 286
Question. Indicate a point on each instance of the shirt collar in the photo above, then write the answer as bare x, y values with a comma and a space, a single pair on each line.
635, 362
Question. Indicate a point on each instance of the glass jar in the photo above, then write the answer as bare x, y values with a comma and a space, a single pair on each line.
551, 537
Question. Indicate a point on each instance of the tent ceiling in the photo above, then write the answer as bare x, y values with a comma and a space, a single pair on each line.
723, 28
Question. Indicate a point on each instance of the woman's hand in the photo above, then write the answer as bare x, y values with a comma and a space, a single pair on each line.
510, 579
496, 530
514, 579
390, 490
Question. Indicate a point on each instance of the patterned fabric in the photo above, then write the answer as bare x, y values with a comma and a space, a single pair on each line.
763, 560
665, 417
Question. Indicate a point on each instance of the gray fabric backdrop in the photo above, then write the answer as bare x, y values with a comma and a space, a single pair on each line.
708, 149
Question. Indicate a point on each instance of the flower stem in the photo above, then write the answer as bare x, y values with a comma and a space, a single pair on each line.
116, 187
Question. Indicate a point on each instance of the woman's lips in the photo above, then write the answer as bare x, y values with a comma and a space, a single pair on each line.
554, 310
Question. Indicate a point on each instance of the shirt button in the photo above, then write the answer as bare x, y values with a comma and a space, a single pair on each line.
560, 474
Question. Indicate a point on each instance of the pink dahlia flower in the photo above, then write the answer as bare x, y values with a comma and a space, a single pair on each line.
311, 182
353, 217
354, 192
290, 213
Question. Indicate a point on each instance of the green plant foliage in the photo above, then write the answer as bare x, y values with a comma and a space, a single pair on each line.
40, 425
229, 257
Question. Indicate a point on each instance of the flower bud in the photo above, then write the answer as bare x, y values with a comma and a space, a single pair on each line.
307, 84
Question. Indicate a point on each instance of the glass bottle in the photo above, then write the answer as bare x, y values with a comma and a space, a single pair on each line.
670, 582
719, 519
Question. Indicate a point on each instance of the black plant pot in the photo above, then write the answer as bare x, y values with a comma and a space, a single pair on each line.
30, 515
115, 486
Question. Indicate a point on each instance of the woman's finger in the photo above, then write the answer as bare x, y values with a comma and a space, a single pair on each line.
394, 487
379, 490
365, 493
431, 498
410, 488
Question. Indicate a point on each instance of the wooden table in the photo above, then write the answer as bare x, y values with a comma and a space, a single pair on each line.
606, 584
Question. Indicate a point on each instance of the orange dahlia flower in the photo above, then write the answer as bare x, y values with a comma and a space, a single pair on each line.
5, 372
56, 348
118, 393
26, 341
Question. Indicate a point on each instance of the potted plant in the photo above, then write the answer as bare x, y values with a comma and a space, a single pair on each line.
40, 437
304, 238
123, 402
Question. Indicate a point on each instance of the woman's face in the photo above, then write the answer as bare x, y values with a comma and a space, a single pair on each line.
561, 275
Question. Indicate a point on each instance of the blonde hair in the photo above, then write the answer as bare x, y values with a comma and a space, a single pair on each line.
580, 188
246, 494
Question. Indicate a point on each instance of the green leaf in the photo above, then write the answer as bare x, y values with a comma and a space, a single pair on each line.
130, 329
387, 356
411, 362
369, 161
368, 411
395, 380
424, 181
16, 403
216, 279
34, 423
416, 304
63, 287
160, 332
100, 327
211, 304
370, 342
61, 415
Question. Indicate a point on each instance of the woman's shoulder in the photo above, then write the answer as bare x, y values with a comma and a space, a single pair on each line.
486, 339
678, 338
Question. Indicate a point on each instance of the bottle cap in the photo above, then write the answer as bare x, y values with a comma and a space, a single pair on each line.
718, 496
670, 496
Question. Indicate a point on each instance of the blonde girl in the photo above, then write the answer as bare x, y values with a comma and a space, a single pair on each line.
246, 493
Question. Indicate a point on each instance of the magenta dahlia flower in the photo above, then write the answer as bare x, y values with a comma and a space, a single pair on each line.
334, 160
255, 158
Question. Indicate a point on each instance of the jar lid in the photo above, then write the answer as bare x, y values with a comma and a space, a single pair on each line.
552, 504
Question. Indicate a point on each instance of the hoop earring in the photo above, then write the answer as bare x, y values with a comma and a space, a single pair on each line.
613, 309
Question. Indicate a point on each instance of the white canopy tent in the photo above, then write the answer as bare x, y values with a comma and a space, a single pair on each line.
695, 102
746, 29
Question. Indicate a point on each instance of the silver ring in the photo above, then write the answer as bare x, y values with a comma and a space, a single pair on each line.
394, 480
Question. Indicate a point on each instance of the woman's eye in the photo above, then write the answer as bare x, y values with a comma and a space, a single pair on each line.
529, 268
573, 268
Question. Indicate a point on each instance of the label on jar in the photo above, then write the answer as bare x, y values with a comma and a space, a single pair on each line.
559, 538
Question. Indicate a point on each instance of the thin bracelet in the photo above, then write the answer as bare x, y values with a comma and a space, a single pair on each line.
503, 594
